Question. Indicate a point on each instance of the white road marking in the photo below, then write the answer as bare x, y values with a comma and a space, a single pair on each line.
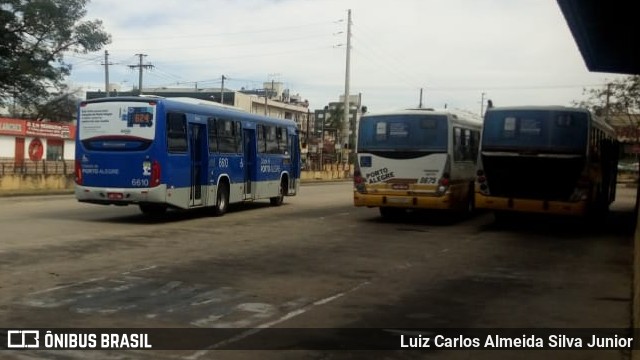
269, 324
88, 281
66, 286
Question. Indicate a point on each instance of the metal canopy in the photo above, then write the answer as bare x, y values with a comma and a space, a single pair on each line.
606, 32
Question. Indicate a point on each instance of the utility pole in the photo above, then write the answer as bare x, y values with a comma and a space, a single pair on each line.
222, 90
606, 110
106, 72
420, 105
324, 118
140, 67
482, 105
306, 137
345, 124
266, 102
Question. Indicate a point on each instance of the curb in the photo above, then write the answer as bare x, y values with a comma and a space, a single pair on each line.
15, 193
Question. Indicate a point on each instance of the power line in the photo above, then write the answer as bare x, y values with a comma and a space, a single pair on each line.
228, 33
140, 66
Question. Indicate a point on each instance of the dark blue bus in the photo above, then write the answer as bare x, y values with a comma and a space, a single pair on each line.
161, 153
546, 159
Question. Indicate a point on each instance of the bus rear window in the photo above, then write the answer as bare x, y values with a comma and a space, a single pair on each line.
403, 133
116, 143
536, 130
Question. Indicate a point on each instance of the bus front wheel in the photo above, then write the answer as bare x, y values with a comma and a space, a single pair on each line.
222, 200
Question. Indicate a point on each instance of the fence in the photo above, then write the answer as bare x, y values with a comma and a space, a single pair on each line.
42, 167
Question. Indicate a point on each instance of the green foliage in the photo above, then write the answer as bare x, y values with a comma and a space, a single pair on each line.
34, 37
61, 107
335, 117
620, 97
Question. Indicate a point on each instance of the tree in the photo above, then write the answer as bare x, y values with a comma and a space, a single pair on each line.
61, 107
34, 36
334, 121
619, 99
335, 117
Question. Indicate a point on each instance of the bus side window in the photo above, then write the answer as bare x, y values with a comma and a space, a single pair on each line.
213, 135
262, 141
475, 145
176, 132
283, 140
458, 145
467, 149
238, 136
272, 141
595, 146
226, 138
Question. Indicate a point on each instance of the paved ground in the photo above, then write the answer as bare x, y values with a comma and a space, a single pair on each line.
316, 262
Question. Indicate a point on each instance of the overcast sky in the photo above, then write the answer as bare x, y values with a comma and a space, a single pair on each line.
517, 52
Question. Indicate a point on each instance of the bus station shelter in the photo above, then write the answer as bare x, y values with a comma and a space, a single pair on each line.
606, 34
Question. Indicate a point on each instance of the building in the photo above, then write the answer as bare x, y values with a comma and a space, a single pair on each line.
22, 140
327, 130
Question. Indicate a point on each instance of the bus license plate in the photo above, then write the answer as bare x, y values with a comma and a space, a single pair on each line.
115, 196
398, 200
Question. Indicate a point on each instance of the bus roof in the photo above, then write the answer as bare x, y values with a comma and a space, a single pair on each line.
198, 105
539, 107
596, 120
460, 116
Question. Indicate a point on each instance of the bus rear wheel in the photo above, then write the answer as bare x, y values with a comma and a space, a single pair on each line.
278, 200
222, 200
391, 213
153, 209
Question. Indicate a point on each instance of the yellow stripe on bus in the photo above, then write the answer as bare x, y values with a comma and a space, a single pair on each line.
531, 206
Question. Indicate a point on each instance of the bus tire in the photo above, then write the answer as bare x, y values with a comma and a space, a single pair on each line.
278, 200
153, 209
391, 213
470, 206
222, 200
503, 217
600, 206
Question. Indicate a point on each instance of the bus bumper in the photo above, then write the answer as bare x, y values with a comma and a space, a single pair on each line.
530, 206
406, 201
121, 196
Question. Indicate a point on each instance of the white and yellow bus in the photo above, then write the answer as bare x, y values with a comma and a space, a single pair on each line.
416, 159
546, 159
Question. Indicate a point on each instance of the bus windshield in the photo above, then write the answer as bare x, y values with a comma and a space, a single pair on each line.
403, 133
117, 126
535, 130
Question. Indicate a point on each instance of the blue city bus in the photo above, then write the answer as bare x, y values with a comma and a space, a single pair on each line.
182, 153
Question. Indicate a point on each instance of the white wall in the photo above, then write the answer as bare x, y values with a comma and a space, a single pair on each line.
69, 149
7, 146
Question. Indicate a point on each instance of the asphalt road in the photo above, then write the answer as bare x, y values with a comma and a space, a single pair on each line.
315, 262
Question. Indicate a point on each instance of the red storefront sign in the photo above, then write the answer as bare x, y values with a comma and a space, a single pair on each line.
36, 149
19, 127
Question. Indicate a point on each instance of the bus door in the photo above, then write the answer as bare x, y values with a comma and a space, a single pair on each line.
294, 151
198, 146
249, 140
